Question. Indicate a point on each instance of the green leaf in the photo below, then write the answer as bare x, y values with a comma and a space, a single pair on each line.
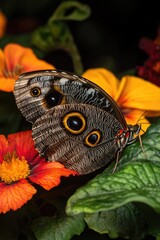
150, 149
56, 34
126, 222
71, 10
58, 228
136, 182
116, 195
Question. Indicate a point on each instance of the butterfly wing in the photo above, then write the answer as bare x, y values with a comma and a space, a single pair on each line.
80, 136
37, 92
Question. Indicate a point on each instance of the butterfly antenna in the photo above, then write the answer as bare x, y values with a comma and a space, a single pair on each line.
139, 136
141, 145
141, 117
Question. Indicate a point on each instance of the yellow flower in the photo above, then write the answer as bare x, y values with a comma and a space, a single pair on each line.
3, 23
135, 96
16, 59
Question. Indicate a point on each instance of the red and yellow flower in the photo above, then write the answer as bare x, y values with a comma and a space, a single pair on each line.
135, 96
20, 165
16, 59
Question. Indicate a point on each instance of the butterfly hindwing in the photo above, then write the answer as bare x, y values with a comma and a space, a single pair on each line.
80, 136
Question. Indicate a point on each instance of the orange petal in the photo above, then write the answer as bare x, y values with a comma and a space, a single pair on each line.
15, 60
137, 93
13, 54
14, 196
32, 63
144, 125
3, 146
104, 79
16, 54
137, 117
7, 84
48, 174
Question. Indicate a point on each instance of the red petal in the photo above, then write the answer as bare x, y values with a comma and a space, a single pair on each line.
3, 146
48, 174
13, 196
23, 143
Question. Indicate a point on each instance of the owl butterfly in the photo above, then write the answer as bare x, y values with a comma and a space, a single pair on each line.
73, 120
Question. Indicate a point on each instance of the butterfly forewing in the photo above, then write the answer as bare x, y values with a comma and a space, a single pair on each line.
37, 92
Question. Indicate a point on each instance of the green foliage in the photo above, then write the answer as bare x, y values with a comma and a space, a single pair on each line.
56, 33
58, 227
136, 182
110, 199
118, 222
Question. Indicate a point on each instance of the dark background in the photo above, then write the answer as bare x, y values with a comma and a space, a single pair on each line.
108, 38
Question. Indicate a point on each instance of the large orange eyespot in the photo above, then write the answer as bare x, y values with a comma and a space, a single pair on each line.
35, 91
93, 138
74, 122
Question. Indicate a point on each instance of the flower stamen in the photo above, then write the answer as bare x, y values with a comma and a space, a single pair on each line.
13, 168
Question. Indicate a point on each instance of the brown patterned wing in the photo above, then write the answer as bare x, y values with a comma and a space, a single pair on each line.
80, 136
37, 92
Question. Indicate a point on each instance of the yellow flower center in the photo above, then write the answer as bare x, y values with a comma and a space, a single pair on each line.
13, 169
14, 73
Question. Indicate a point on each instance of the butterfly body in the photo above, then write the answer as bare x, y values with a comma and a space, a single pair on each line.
74, 121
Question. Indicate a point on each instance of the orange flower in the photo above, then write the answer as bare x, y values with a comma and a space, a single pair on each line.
20, 162
14, 60
3, 23
135, 96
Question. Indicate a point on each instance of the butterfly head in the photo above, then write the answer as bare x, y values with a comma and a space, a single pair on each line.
128, 136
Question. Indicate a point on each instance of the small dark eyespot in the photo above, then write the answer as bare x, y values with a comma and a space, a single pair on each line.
35, 91
93, 138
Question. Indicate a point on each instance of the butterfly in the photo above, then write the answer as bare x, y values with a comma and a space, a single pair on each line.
74, 121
